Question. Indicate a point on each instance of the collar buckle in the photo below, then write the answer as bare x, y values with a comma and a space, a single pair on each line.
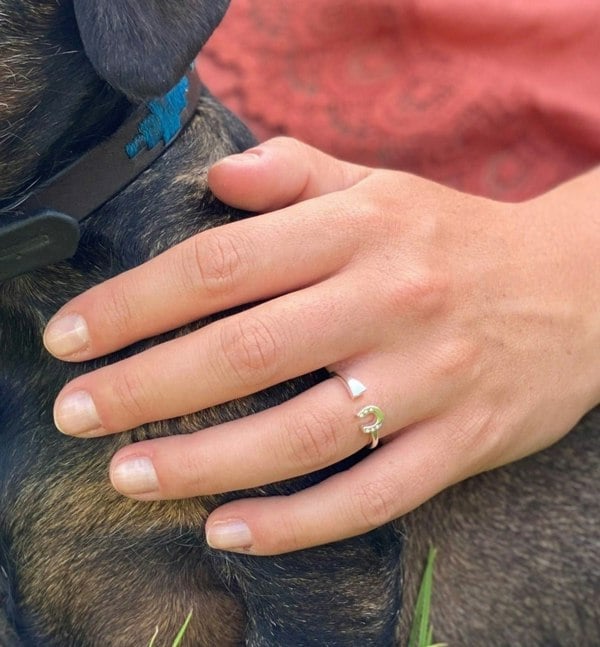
38, 231
42, 239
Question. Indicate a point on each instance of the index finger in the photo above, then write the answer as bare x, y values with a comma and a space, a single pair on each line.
228, 266
235, 264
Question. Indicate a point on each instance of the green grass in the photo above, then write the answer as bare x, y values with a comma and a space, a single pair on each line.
421, 633
178, 637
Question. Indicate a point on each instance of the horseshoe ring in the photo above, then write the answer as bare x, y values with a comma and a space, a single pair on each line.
356, 388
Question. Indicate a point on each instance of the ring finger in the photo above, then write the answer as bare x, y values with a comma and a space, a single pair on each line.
315, 429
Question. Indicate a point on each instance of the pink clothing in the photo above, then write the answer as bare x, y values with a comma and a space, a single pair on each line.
499, 97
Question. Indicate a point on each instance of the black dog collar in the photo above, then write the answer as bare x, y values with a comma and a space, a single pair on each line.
44, 228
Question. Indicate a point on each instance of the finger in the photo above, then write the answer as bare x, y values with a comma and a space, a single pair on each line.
390, 482
278, 173
236, 356
299, 436
218, 269
311, 431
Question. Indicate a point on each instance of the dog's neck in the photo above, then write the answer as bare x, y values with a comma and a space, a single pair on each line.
98, 116
44, 228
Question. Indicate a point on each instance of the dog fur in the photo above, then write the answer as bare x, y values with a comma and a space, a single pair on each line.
82, 566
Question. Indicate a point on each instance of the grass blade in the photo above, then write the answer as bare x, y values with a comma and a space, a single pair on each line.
154, 638
180, 635
421, 633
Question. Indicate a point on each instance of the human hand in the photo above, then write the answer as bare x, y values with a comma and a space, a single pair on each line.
473, 324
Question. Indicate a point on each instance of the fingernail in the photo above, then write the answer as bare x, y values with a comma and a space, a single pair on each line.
233, 534
249, 156
76, 414
135, 476
66, 335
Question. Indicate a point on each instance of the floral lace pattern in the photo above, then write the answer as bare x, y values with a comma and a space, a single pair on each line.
500, 98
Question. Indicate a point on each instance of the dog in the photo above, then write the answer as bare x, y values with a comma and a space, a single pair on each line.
82, 566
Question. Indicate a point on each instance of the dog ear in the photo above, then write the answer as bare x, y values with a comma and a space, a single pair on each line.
143, 47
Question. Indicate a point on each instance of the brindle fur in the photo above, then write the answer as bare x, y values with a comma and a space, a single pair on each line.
83, 566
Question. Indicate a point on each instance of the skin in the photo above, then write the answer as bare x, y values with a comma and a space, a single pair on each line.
474, 324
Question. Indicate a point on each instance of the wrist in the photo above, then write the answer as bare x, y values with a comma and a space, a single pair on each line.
569, 218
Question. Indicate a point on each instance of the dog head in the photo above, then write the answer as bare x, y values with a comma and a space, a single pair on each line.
65, 65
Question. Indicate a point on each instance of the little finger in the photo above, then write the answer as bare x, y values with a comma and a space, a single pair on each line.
388, 483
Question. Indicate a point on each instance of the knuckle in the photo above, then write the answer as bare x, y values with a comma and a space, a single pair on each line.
486, 435
458, 359
422, 292
119, 309
131, 395
372, 504
193, 476
283, 141
288, 538
214, 261
476, 432
359, 214
251, 349
313, 440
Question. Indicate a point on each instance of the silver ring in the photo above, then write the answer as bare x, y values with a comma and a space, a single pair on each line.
356, 388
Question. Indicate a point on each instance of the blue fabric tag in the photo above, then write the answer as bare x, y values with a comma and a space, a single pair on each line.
163, 121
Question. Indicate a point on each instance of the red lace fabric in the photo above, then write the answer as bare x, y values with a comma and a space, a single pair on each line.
499, 98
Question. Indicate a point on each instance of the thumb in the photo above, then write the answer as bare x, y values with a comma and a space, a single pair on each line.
278, 173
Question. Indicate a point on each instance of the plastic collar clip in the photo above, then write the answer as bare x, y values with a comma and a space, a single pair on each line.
43, 229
